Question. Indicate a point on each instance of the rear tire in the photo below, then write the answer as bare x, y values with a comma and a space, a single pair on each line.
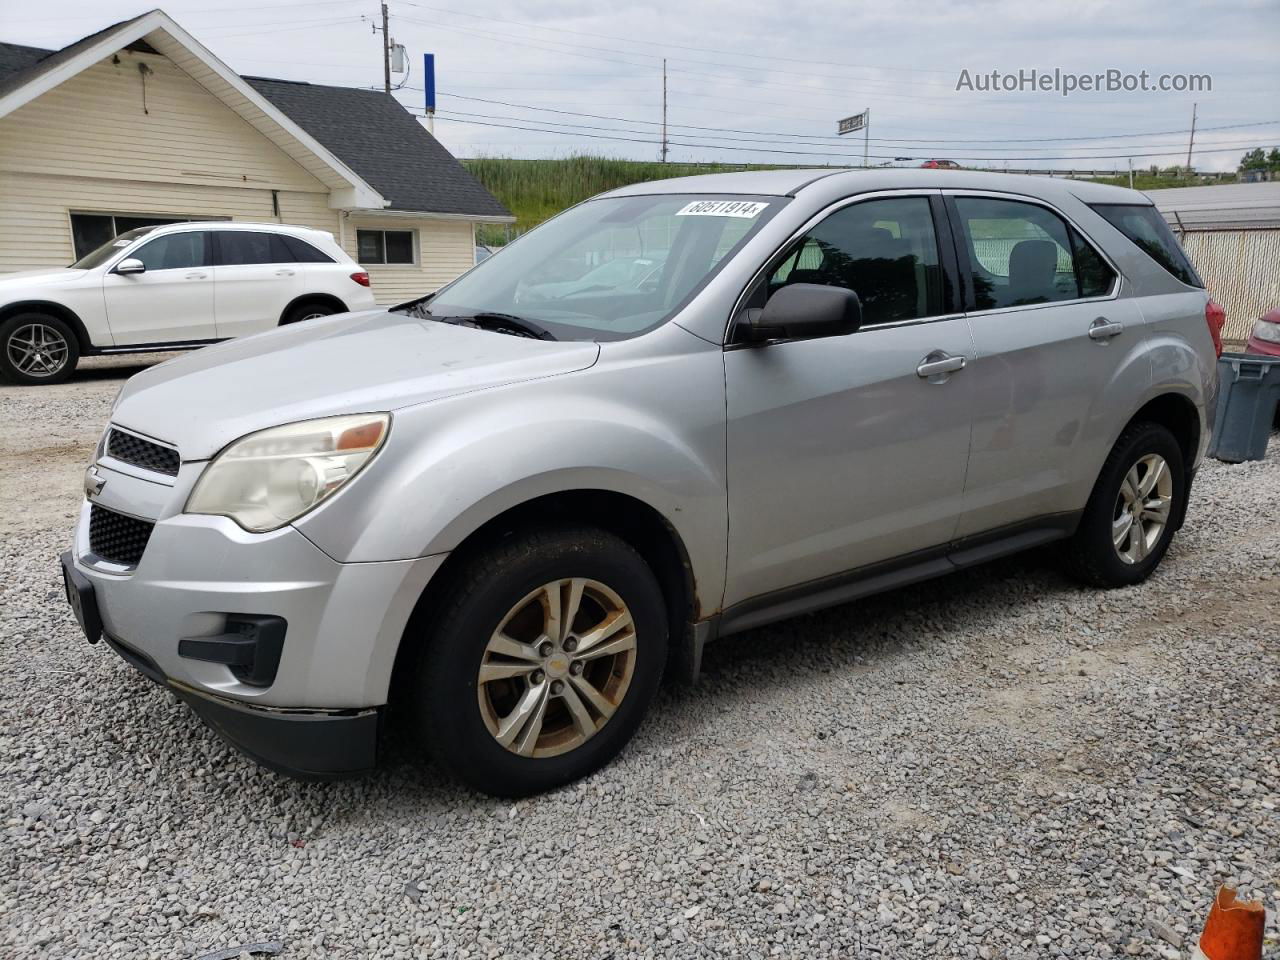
308, 311
37, 348
1129, 521
492, 650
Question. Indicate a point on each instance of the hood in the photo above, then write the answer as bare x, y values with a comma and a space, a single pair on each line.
47, 275
350, 363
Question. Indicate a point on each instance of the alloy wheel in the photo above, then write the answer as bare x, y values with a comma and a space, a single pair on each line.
37, 350
557, 667
1142, 508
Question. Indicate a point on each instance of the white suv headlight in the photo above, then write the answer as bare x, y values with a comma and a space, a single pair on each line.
269, 478
1264, 330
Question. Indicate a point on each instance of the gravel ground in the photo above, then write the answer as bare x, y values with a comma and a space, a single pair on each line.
997, 764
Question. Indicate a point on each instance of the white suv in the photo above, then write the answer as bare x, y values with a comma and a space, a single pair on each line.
172, 287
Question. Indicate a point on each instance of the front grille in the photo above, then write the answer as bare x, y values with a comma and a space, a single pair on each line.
117, 538
142, 453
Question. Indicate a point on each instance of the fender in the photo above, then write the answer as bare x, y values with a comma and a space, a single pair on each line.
452, 465
61, 310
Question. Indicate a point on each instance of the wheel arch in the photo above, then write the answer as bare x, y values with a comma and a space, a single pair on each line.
1179, 415
58, 310
629, 518
328, 299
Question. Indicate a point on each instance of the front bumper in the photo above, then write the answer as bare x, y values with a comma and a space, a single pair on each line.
305, 744
317, 713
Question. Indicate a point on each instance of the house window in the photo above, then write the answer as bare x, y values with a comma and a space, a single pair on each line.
91, 230
384, 246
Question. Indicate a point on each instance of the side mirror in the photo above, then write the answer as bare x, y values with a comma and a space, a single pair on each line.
805, 311
130, 265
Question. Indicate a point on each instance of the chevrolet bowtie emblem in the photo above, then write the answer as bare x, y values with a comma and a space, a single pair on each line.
93, 483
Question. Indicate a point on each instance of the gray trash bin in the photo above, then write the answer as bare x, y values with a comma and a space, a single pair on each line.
1248, 391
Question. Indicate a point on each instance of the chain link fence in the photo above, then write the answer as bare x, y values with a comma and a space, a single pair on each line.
1241, 269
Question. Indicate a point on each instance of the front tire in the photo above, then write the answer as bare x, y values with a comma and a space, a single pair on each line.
1129, 521
542, 661
37, 348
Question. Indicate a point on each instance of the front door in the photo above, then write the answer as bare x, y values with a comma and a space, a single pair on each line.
172, 301
847, 451
1058, 359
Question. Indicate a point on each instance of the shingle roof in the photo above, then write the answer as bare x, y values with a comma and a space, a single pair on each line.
381, 141
369, 131
32, 62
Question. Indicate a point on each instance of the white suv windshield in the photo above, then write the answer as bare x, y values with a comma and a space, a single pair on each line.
608, 269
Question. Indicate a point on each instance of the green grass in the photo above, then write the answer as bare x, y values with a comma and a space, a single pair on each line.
535, 190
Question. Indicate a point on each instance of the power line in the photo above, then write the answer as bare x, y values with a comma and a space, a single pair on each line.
675, 46
811, 153
771, 139
816, 136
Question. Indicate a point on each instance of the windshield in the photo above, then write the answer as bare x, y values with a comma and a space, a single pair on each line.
612, 268
96, 258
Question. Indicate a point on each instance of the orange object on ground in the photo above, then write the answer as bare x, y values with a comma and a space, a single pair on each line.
1234, 929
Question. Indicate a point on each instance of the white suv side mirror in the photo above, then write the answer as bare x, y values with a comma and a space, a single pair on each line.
131, 265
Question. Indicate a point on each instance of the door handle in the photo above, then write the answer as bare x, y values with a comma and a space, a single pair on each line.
1104, 329
196, 276
284, 273
939, 363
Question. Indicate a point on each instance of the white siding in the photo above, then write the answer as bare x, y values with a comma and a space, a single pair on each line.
87, 146
95, 124
445, 248
35, 223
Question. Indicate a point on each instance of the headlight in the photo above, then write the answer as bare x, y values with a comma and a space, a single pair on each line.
272, 477
1265, 330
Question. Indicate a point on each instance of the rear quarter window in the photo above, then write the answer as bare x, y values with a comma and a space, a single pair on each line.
1144, 225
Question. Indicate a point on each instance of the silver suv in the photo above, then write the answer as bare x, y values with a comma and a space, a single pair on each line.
505, 509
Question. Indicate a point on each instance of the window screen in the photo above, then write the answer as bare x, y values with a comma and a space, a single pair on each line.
384, 246
1144, 225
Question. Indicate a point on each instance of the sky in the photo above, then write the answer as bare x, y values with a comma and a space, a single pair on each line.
765, 82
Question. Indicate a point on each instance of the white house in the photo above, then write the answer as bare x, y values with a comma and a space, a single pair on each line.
140, 124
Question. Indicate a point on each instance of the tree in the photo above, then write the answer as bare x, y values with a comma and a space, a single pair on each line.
1273, 158
1255, 159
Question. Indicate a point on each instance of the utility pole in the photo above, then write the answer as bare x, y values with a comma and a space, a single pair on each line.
1192, 141
1131, 173
386, 53
664, 109
866, 139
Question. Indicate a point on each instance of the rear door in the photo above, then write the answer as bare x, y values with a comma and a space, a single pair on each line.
1058, 359
172, 301
844, 452
256, 278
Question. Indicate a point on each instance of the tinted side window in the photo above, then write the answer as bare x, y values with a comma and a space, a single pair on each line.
175, 251
302, 252
885, 251
1019, 253
240, 247
1145, 226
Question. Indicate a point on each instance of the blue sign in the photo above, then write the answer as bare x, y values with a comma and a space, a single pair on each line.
429, 80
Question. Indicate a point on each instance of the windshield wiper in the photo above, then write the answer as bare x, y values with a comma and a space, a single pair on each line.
501, 323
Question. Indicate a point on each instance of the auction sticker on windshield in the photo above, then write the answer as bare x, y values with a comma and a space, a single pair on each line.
747, 209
